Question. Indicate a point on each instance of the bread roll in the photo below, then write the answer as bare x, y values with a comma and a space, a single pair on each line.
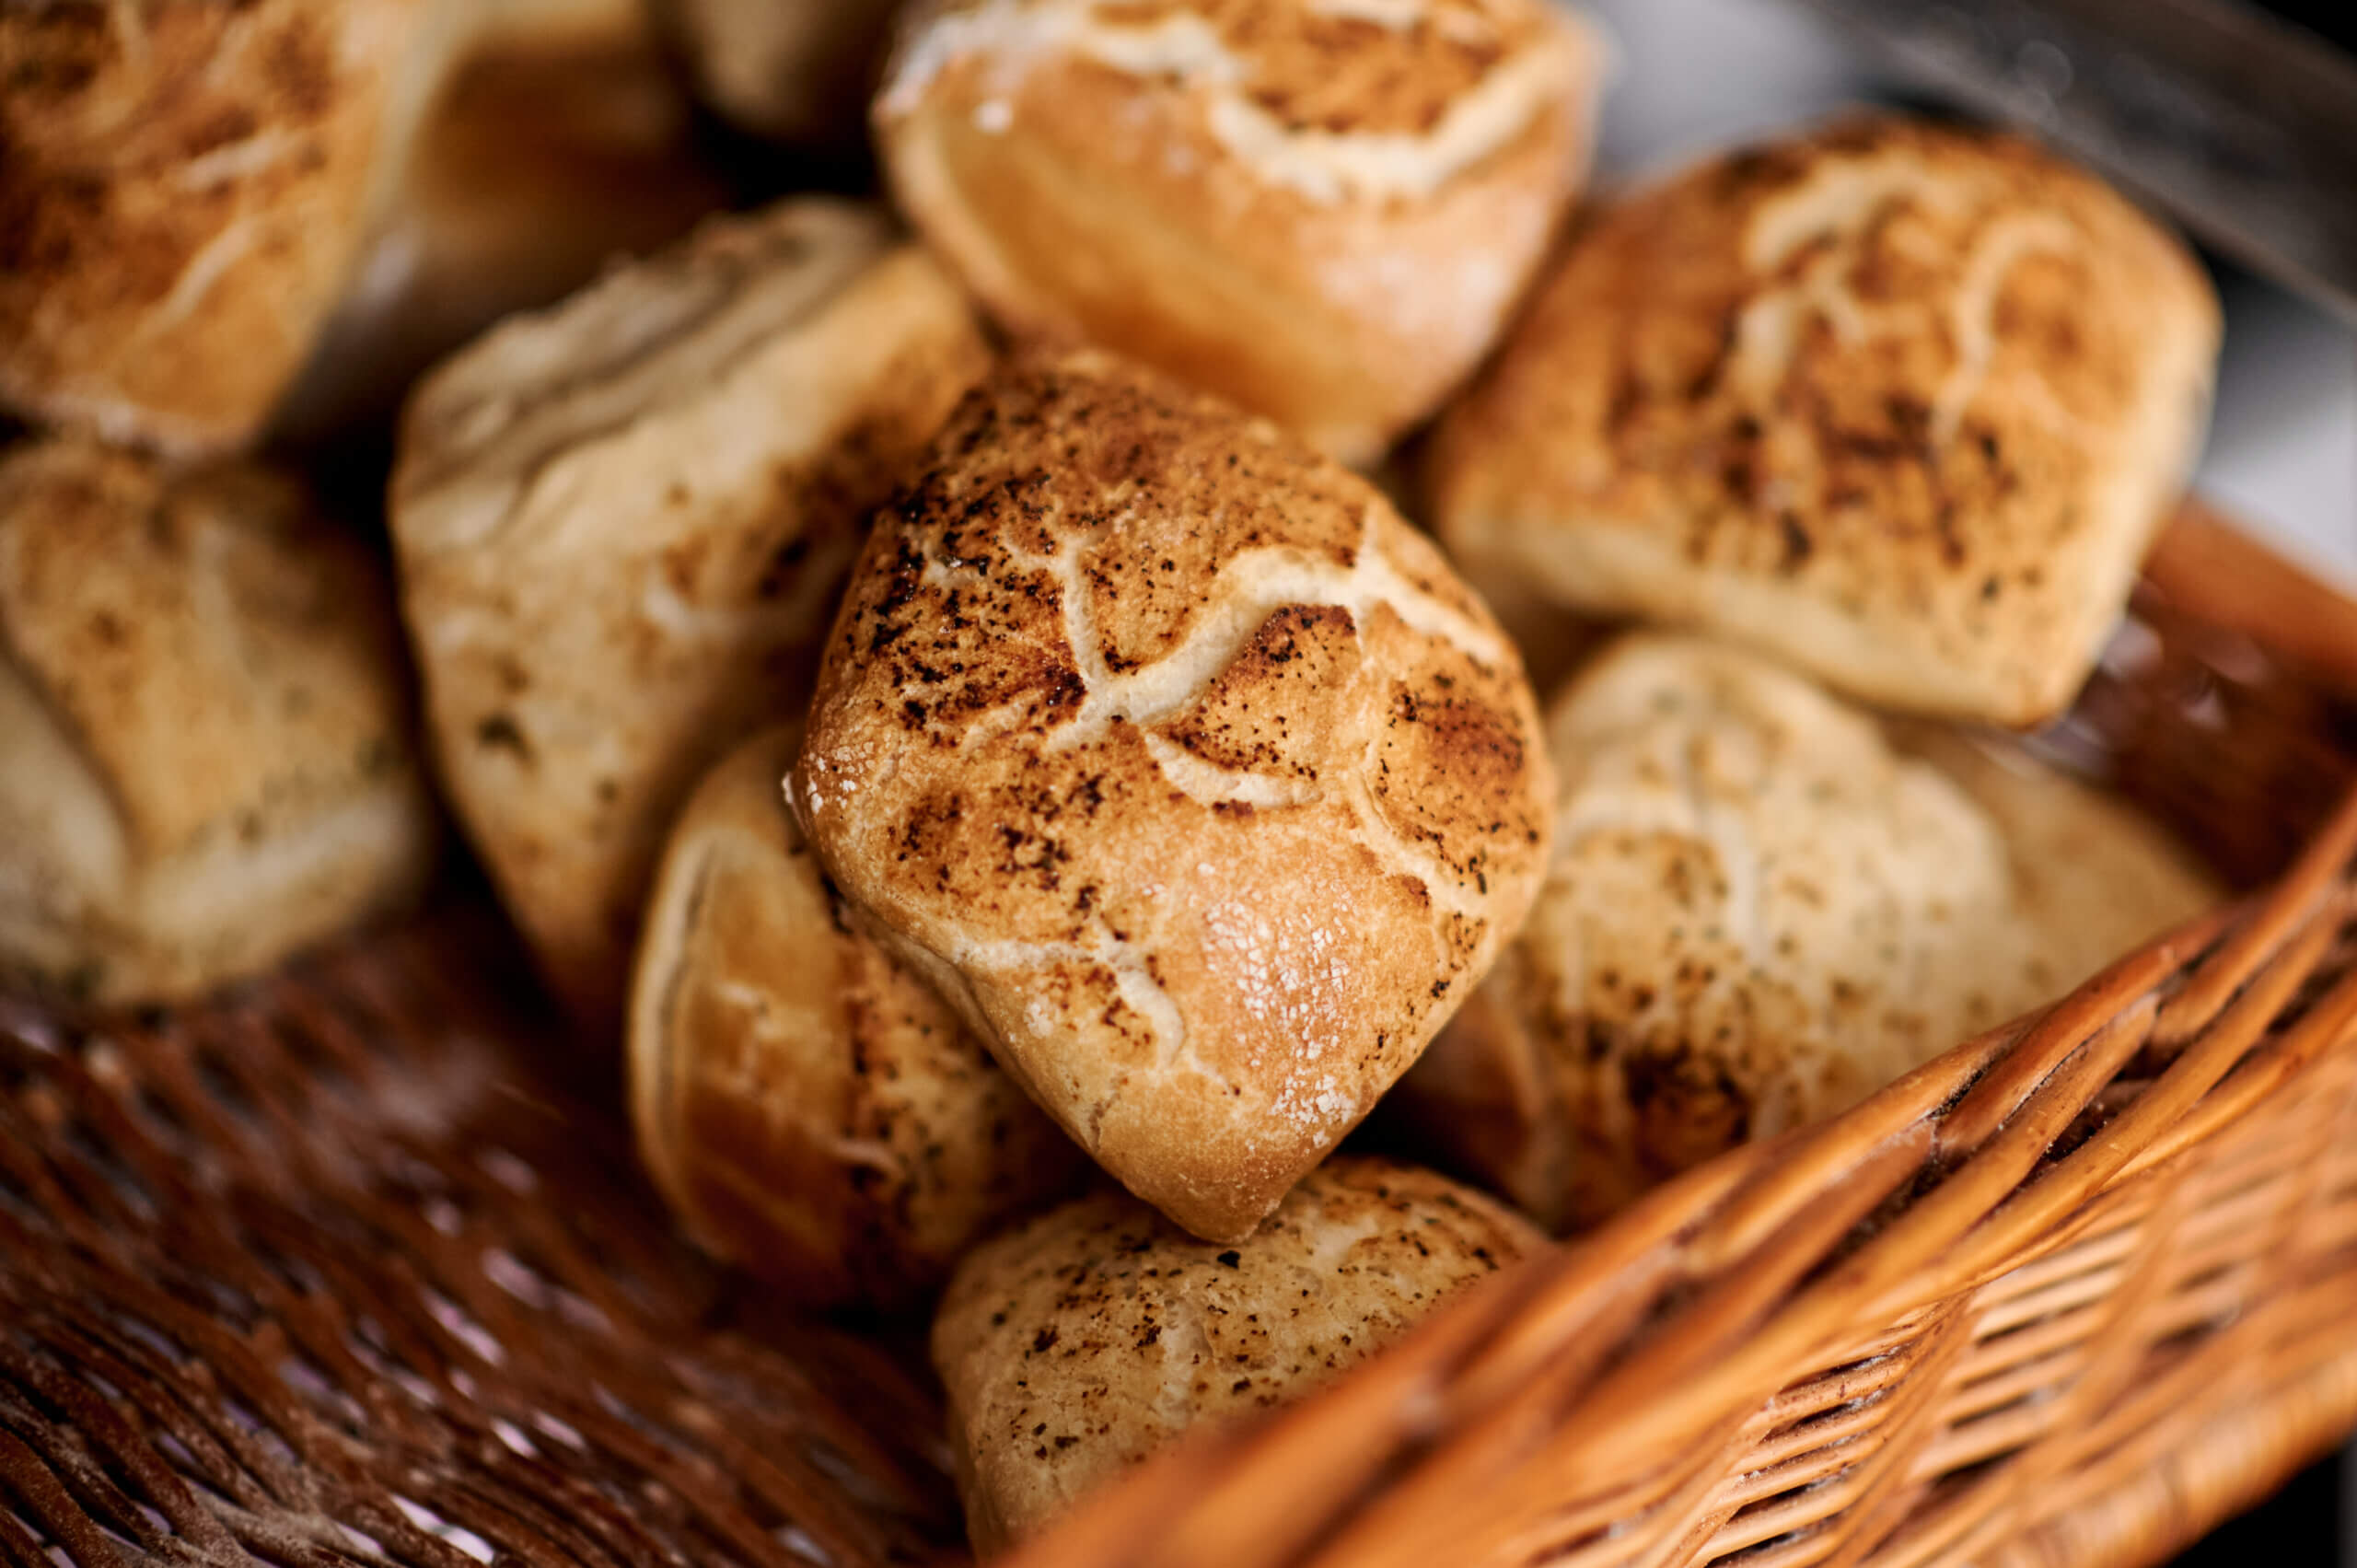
1757, 914
1903, 405
795, 70
808, 1108
204, 754
1075, 1346
561, 140
1321, 211
622, 524
184, 190
1182, 766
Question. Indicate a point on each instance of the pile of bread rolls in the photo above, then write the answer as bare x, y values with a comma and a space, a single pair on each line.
932, 682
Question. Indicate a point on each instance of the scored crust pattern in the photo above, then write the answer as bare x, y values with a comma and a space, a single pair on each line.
1183, 765
1320, 211
1901, 403
1329, 101
182, 189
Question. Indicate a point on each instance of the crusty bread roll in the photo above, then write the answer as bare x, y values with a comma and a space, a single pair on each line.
560, 139
1903, 405
205, 758
1182, 766
1077, 1345
1758, 912
622, 526
797, 71
808, 1108
183, 191
1321, 211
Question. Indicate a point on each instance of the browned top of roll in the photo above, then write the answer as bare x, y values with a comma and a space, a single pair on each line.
1902, 402
183, 189
1183, 764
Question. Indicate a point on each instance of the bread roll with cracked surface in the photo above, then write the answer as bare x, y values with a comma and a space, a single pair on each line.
797, 71
809, 1109
1758, 912
1182, 766
1077, 1345
205, 758
1321, 211
1903, 405
622, 523
185, 188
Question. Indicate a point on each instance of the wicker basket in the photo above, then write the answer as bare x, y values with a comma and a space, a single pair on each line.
354, 1268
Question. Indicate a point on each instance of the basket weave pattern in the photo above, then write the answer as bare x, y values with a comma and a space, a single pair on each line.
337, 1273
353, 1268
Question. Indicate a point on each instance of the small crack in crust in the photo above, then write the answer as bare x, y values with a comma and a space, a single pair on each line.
1902, 404
1321, 211
1209, 880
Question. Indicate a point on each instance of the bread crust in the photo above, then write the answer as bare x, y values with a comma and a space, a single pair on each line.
1180, 763
1322, 212
1074, 1347
183, 188
560, 139
1901, 404
1759, 912
622, 523
205, 757
811, 1111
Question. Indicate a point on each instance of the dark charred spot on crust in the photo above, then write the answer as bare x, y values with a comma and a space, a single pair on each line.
300, 69
1798, 543
1952, 548
782, 567
1689, 1106
501, 732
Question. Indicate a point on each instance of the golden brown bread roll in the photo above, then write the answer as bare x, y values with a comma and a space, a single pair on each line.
1758, 912
622, 523
1077, 1345
1321, 211
206, 759
1903, 405
795, 70
808, 1108
183, 189
1182, 766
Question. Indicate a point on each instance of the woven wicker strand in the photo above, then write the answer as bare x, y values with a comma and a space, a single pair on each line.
353, 1268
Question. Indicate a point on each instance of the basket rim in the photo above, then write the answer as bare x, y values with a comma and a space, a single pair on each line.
1616, 1347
